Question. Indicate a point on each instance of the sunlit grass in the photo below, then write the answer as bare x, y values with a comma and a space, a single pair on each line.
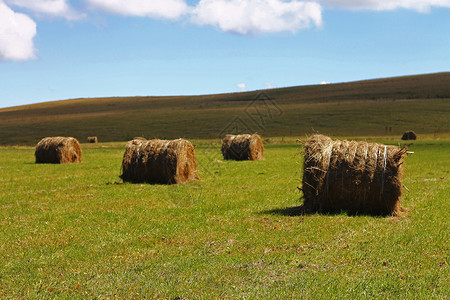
76, 231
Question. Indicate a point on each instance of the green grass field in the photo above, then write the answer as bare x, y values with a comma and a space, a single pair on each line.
76, 231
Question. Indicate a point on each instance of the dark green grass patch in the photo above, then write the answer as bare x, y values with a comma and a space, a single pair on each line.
76, 231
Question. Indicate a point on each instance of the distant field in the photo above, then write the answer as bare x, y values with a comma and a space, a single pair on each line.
382, 107
76, 231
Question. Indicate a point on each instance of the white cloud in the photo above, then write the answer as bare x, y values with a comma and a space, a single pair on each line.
269, 85
56, 8
242, 87
418, 5
245, 17
257, 16
325, 82
167, 9
16, 35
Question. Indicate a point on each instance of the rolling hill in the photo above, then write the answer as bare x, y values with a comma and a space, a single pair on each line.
387, 106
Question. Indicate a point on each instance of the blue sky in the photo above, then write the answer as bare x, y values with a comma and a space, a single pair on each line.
61, 49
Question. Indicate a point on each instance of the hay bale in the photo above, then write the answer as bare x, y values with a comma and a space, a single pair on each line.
58, 150
92, 139
356, 177
243, 147
159, 161
409, 135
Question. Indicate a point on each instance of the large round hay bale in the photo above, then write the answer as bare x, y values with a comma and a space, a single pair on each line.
356, 177
58, 150
92, 139
243, 147
159, 161
409, 135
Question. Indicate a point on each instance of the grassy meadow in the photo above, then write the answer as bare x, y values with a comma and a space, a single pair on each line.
76, 231
378, 107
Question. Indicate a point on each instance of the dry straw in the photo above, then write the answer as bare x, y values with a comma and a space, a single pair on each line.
243, 147
356, 177
409, 135
159, 161
58, 150
93, 139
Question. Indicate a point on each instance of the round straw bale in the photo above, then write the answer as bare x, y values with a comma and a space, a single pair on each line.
58, 150
92, 139
356, 177
243, 147
409, 135
159, 161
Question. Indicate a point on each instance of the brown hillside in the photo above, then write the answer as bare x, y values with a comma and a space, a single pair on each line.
379, 106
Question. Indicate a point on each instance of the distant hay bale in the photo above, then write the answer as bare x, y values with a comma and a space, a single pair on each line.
243, 147
139, 138
92, 139
409, 135
159, 161
58, 150
356, 177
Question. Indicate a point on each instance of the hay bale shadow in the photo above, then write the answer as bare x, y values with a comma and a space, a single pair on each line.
286, 211
301, 210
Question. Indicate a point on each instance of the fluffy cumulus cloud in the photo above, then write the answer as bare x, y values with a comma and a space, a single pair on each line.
55, 8
257, 16
167, 9
242, 87
16, 35
418, 5
245, 17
